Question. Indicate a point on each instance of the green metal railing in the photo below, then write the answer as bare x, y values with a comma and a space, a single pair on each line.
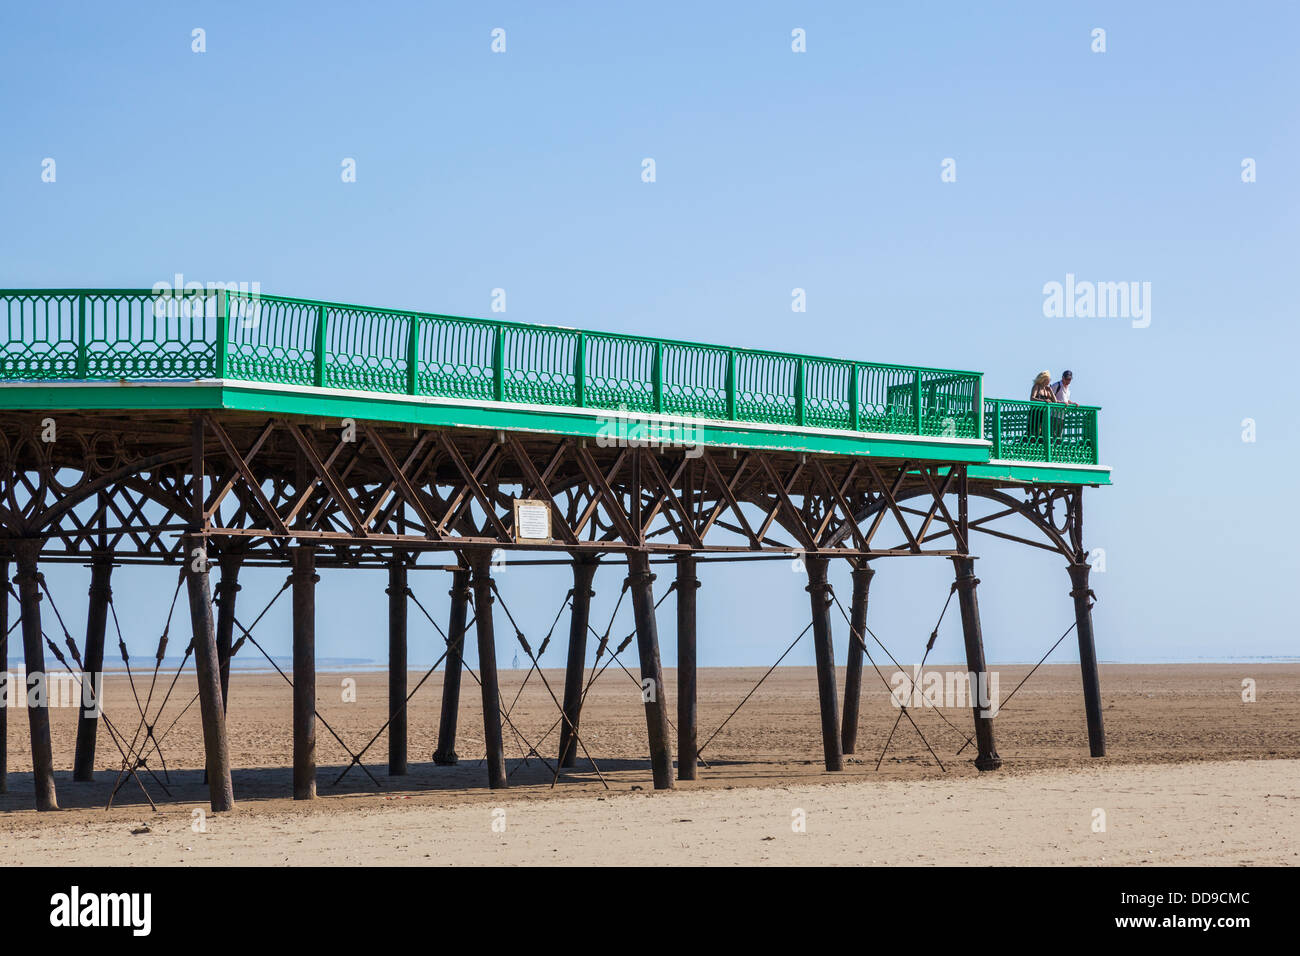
1041, 431
86, 334
101, 334
90, 334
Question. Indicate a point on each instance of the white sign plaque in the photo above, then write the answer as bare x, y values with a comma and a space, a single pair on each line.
532, 521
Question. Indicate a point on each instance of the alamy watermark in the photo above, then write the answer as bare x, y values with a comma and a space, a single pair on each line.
1098, 300
621, 428
181, 299
946, 689
75, 909
59, 689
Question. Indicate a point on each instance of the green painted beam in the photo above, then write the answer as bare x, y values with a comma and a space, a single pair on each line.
1039, 473
578, 423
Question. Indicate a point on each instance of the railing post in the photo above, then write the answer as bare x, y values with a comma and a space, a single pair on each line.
731, 384
499, 365
413, 357
800, 387
580, 372
1092, 433
997, 428
318, 378
855, 411
916, 401
82, 360
1047, 443
657, 377
223, 333
979, 406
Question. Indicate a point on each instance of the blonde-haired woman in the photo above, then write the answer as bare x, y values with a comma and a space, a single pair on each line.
1038, 417
1042, 388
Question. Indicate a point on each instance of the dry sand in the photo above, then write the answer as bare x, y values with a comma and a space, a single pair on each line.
1194, 776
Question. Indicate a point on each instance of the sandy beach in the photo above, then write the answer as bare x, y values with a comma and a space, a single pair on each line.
1219, 813
1195, 776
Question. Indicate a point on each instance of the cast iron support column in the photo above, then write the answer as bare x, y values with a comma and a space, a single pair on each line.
819, 593
38, 717
226, 590
988, 758
92, 673
584, 569
7, 689
397, 666
216, 748
862, 575
481, 562
641, 582
687, 718
304, 671
445, 755
1083, 598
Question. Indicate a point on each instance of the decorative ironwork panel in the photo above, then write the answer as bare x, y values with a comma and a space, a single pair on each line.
619, 372
271, 340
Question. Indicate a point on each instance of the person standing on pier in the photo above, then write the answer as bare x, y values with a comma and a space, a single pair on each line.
1061, 389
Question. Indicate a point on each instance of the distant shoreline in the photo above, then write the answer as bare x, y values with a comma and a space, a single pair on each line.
348, 665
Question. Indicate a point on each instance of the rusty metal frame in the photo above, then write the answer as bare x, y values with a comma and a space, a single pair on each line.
124, 483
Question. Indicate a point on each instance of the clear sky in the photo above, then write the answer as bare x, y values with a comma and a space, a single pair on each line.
819, 170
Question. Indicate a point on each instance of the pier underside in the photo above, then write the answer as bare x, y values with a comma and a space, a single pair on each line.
231, 488
122, 480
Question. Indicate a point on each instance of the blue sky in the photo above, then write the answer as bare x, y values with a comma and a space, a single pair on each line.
775, 170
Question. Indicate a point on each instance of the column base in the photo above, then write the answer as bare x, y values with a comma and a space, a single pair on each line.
988, 762
445, 758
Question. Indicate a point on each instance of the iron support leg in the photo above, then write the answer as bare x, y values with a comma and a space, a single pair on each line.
216, 749
397, 711
92, 673
7, 689
652, 675
988, 758
38, 716
304, 671
225, 601
584, 569
1088, 658
445, 755
819, 592
481, 561
862, 575
687, 718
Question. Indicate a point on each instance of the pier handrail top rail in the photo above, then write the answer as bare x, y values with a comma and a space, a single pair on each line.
1036, 404
500, 323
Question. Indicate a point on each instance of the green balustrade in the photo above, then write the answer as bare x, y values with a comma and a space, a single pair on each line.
1041, 431
96, 334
